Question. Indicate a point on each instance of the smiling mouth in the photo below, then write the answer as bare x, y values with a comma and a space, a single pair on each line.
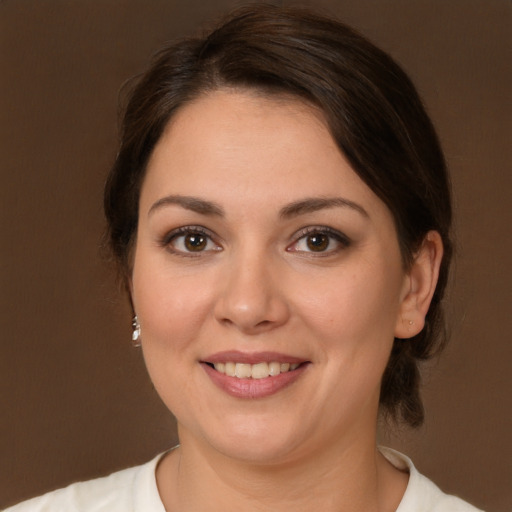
261, 370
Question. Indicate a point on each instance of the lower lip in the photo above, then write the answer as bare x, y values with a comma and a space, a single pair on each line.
253, 388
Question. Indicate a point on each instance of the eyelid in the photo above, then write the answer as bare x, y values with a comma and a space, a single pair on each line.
184, 230
338, 236
172, 235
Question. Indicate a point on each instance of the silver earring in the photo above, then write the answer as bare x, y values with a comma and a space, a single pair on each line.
136, 341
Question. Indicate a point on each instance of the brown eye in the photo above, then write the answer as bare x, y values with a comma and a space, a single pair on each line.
195, 242
322, 240
317, 242
192, 241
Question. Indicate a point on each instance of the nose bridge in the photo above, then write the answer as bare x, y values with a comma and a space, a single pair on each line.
251, 298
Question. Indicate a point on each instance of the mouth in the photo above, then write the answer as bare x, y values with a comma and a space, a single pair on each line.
261, 370
259, 375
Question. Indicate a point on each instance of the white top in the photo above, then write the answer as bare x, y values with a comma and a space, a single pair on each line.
135, 490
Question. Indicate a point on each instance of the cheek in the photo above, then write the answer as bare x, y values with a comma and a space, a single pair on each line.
353, 303
352, 318
171, 308
172, 311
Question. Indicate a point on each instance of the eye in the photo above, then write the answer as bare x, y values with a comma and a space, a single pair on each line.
189, 240
318, 242
322, 240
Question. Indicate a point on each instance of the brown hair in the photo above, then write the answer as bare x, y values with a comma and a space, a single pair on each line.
371, 108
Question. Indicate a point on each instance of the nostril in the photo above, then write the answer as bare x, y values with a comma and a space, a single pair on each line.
263, 323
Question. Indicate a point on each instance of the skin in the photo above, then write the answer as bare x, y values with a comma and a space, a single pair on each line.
258, 286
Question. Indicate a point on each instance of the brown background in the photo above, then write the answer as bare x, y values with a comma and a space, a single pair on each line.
74, 398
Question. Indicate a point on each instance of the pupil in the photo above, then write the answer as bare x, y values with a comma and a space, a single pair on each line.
195, 242
318, 242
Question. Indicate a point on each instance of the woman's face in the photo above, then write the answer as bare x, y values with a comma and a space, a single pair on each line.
261, 252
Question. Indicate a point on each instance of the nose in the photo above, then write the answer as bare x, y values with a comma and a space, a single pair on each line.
252, 299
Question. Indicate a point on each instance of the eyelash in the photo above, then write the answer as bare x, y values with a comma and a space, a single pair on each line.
183, 231
342, 240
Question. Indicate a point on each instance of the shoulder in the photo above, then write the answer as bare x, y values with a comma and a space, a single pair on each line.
422, 495
132, 489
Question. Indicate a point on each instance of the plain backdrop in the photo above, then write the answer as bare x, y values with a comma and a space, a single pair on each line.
75, 400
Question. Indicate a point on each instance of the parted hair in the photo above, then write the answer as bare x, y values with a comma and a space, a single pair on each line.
371, 108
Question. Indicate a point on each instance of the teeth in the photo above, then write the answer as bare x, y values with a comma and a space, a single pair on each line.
229, 368
274, 369
254, 371
242, 370
259, 371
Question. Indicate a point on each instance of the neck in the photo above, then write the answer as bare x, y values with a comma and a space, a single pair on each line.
348, 476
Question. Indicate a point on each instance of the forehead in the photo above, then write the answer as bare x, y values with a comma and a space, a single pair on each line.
241, 113
255, 145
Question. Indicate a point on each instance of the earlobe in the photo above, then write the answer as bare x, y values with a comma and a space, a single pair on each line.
129, 290
420, 284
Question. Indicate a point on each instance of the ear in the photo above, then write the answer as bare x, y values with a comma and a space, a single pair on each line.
129, 290
419, 286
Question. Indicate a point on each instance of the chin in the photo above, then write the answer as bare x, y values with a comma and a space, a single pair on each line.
255, 440
258, 451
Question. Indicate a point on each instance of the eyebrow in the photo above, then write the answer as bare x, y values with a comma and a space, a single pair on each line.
313, 204
194, 204
301, 207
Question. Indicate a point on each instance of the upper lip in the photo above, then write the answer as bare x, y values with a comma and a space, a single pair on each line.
237, 356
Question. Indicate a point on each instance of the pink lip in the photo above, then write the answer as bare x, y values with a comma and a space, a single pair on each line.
251, 358
253, 388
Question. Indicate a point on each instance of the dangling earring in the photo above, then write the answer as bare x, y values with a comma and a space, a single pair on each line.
136, 341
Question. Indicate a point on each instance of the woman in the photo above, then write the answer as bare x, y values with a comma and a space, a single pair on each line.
280, 212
